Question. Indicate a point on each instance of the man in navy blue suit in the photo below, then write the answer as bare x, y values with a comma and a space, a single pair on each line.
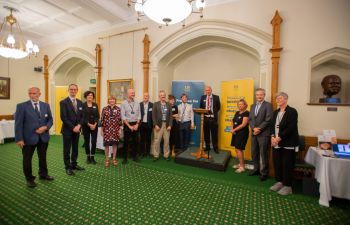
71, 110
33, 119
212, 103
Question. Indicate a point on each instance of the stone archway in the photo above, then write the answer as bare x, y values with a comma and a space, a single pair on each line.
80, 56
245, 37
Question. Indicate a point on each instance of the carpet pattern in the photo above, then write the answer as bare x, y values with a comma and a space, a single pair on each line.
146, 193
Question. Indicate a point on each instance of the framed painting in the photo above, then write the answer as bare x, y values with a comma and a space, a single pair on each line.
119, 89
5, 88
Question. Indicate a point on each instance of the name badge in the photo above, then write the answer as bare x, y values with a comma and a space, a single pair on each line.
173, 109
80, 108
94, 107
204, 100
239, 117
150, 110
46, 115
132, 112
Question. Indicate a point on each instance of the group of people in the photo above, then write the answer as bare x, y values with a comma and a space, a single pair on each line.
278, 129
169, 124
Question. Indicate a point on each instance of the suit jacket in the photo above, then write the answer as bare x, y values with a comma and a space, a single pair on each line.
288, 128
216, 104
149, 113
69, 117
27, 121
94, 116
263, 119
157, 114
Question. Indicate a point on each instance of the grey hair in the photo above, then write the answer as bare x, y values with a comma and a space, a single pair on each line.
260, 89
283, 94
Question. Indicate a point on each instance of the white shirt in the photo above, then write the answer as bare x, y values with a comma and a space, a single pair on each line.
38, 105
185, 113
145, 109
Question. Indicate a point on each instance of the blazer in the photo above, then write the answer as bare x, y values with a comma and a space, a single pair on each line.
288, 128
149, 113
263, 119
27, 121
157, 115
92, 115
69, 117
216, 104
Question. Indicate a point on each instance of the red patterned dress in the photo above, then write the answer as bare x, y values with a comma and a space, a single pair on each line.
110, 122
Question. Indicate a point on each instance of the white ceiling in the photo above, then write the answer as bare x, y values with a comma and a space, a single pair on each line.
50, 21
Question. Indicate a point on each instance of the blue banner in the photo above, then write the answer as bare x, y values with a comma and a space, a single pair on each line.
194, 90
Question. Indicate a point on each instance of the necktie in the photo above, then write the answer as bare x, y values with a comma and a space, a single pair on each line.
75, 104
257, 107
208, 103
36, 109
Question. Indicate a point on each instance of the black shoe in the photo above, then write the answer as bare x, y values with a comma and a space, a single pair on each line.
137, 160
167, 159
31, 184
254, 173
88, 160
78, 168
92, 160
216, 150
69, 172
207, 149
263, 178
47, 177
155, 159
125, 161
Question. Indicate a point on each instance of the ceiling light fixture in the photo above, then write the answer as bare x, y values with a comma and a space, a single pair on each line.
167, 12
9, 32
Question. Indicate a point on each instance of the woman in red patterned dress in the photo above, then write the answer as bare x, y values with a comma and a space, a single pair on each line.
110, 122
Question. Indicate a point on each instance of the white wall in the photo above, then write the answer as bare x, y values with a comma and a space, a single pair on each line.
309, 27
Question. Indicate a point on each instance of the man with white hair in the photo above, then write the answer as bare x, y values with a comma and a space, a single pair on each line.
33, 120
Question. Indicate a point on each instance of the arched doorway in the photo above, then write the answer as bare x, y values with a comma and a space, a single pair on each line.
73, 65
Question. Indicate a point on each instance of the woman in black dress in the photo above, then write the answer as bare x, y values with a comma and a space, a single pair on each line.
174, 132
240, 133
90, 126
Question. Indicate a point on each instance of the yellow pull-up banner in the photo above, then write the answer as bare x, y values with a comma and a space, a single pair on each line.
231, 93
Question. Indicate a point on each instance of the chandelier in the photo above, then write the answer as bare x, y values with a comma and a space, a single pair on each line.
9, 32
166, 12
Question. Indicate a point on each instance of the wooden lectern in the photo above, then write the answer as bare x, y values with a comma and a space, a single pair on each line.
200, 153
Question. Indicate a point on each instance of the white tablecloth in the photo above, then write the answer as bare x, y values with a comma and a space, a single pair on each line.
7, 130
331, 173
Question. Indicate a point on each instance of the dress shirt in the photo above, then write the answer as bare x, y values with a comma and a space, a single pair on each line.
145, 107
185, 113
209, 101
130, 111
37, 104
257, 107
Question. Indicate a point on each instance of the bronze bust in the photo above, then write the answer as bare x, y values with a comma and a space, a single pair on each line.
331, 85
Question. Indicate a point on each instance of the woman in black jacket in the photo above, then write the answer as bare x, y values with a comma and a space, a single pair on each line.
285, 141
91, 117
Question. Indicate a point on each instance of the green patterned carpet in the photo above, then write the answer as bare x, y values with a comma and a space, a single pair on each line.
148, 193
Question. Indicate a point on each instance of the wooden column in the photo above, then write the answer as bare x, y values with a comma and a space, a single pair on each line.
46, 77
146, 62
275, 50
98, 68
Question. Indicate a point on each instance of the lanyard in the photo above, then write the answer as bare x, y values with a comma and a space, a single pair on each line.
132, 108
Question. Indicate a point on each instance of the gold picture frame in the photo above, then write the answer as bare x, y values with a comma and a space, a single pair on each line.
119, 88
5, 86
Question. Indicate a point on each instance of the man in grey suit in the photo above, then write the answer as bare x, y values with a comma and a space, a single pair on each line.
260, 121
162, 121
33, 120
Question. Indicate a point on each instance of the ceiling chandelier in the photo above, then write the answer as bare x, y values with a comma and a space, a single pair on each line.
166, 12
12, 41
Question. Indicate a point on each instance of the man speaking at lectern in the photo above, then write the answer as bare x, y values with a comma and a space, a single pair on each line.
210, 102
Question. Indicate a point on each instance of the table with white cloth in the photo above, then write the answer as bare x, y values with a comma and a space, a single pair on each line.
332, 174
7, 130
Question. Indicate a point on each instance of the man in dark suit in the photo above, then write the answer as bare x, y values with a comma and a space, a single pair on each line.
71, 110
146, 125
211, 102
260, 121
33, 120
